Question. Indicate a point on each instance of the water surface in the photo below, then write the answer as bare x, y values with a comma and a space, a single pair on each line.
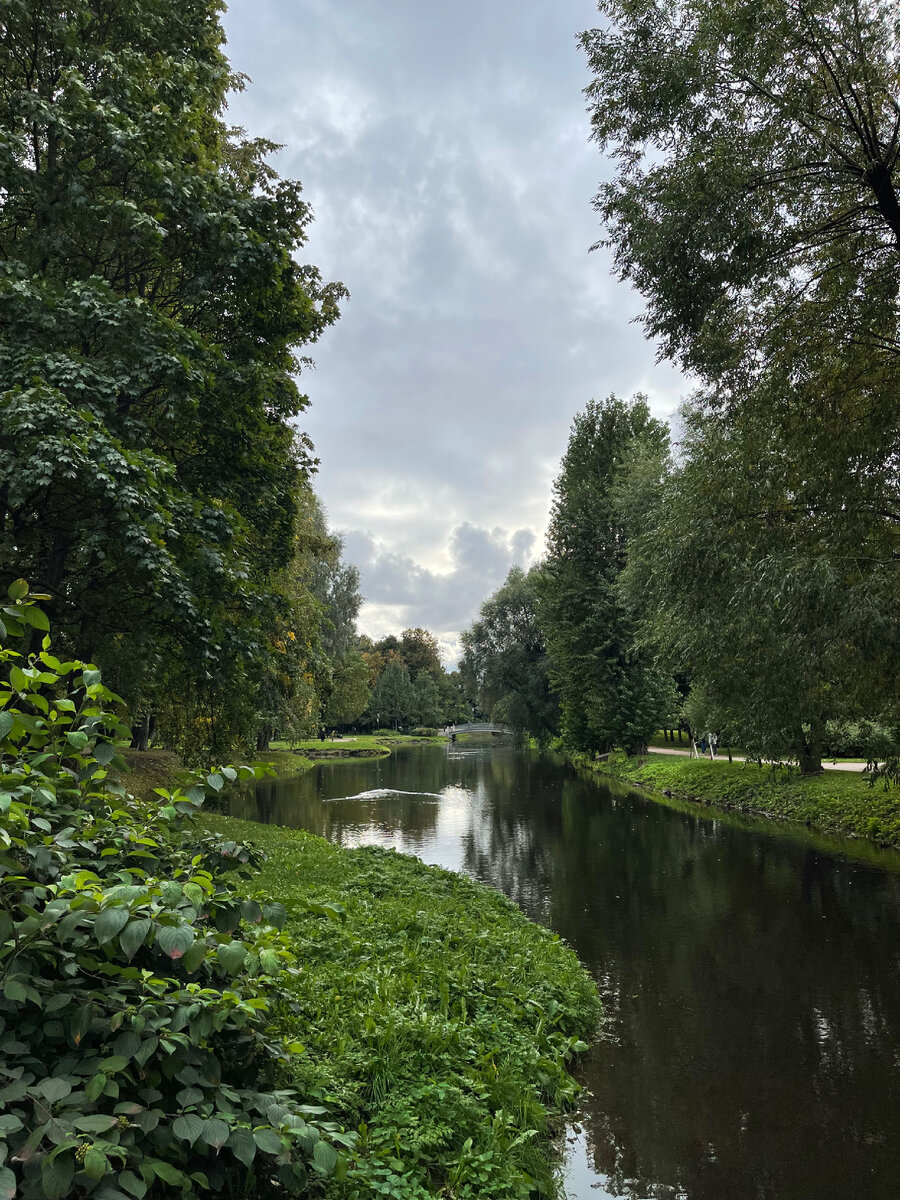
751, 976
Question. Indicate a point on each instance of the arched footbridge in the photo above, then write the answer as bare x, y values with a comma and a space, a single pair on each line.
477, 727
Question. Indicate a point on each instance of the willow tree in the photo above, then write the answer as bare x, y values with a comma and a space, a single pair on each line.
153, 313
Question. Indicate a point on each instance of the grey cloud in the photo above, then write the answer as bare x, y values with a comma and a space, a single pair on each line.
444, 147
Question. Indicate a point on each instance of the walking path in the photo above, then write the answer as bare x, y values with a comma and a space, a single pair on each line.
723, 757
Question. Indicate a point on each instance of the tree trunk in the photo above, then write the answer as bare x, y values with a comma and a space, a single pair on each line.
263, 737
809, 751
140, 735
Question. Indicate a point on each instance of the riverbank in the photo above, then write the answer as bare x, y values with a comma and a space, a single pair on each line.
436, 1019
837, 802
149, 769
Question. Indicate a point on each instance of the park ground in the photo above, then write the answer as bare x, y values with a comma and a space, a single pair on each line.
840, 801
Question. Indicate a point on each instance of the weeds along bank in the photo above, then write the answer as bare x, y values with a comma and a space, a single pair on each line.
179, 1018
835, 802
437, 1021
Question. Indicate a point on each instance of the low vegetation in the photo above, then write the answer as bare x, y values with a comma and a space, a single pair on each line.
379, 1027
436, 1019
840, 802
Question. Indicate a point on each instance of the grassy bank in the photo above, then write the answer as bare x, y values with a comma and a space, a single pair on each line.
436, 1019
835, 802
149, 769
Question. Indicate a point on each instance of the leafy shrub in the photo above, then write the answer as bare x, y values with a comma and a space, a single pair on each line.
423, 731
134, 983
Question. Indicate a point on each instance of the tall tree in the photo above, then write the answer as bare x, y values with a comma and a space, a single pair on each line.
611, 691
505, 655
152, 313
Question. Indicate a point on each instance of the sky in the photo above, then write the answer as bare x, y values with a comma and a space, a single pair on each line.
444, 148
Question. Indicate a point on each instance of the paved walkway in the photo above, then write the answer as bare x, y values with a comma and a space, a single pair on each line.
723, 757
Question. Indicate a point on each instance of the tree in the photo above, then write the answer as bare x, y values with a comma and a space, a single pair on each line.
427, 706
504, 653
420, 651
610, 689
393, 699
152, 310
779, 615
756, 148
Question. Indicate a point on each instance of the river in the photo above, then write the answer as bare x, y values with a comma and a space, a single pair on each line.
751, 975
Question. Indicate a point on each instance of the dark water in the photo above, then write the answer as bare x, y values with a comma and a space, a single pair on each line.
751, 978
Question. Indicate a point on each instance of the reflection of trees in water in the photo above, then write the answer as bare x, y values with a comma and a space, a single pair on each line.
755, 1005
752, 983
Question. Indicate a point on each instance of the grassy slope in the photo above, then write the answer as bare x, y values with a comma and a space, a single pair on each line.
835, 802
437, 1019
149, 769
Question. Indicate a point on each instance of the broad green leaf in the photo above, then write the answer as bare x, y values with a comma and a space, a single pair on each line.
232, 956
18, 679
174, 940
165, 1171
96, 1164
242, 1145
267, 1140
215, 1133
109, 922
6, 723
54, 1089
134, 935
57, 1175
17, 590
33, 616
94, 1122
215, 781
104, 752
7, 1184
195, 956
94, 1087
270, 962
188, 1127
131, 1183
324, 1158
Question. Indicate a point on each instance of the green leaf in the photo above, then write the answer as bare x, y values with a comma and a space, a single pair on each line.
270, 962
188, 1127
77, 738
130, 1182
215, 1133
165, 1171
174, 940
53, 1089
134, 935
91, 677
194, 957
232, 956
267, 1140
57, 1175
324, 1158
17, 590
104, 752
109, 922
96, 1164
7, 1184
6, 723
215, 781
94, 1122
242, 1146
33, 616
18, 679
94, 1087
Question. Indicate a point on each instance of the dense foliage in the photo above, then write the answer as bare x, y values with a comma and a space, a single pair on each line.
505, 657
436, 1018
153, 312
136, 985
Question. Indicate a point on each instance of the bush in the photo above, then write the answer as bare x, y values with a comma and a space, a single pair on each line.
423, 731
134, 983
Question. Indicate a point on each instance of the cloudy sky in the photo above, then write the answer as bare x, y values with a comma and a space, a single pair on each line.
444, 147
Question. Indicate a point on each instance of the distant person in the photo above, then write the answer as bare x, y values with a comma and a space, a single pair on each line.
321, 733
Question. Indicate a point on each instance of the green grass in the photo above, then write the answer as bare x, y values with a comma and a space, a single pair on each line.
834, 802
149, 769
437, 1020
